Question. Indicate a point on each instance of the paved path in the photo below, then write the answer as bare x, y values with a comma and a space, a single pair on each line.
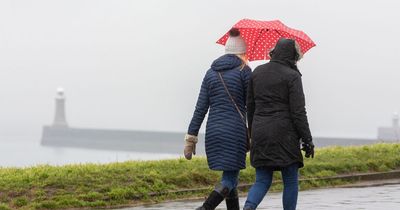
385, 197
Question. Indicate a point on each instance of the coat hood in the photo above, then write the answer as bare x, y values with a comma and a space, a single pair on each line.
285, 53
226, 62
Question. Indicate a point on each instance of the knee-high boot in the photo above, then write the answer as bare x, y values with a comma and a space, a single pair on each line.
215, 198
232, 200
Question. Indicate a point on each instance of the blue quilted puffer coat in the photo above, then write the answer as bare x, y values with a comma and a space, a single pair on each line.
225, 138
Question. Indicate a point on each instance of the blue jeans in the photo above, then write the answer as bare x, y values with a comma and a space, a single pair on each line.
230, 179
263, 182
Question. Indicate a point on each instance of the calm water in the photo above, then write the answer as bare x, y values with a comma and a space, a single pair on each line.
25, 151
372, 198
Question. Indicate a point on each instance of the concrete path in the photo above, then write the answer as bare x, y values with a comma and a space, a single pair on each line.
372, 195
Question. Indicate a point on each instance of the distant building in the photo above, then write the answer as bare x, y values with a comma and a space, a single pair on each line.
390, 133
59, 117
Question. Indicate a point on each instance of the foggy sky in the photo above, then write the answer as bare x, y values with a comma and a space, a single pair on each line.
139, 64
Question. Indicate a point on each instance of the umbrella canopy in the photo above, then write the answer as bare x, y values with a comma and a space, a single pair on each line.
261, 37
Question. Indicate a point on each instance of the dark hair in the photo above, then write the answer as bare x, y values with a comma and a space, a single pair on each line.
234, 32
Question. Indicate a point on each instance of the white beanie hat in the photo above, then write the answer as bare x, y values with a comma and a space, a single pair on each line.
235, 43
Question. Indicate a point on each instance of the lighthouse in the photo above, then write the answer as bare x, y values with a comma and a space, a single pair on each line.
390, 133
396, 120
59, 117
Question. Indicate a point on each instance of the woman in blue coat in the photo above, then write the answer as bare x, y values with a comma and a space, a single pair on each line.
226, 133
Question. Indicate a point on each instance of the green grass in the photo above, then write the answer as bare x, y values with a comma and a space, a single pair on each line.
105, 185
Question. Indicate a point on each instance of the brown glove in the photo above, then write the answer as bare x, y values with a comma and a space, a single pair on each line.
190, 146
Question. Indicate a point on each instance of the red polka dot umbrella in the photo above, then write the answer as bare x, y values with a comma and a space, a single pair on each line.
261, 37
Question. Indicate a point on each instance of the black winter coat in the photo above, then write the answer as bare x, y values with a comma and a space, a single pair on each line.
277, 115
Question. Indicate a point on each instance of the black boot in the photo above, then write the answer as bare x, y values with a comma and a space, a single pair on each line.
232, 200
215, 198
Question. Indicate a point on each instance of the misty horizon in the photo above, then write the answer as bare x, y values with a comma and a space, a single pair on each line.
139, 65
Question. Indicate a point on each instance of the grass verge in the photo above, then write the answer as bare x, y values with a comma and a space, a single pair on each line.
126, 183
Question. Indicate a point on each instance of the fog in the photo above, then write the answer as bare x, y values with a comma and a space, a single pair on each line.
139, 64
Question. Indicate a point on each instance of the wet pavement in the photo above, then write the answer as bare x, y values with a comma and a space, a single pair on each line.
385, 197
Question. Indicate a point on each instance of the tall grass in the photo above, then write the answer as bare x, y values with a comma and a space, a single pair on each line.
104, 185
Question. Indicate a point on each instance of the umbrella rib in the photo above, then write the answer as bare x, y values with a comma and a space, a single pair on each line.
258, 38
278, 33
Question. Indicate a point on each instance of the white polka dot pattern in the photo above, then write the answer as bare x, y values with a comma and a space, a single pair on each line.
261, 36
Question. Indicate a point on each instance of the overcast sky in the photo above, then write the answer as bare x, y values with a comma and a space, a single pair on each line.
139, 64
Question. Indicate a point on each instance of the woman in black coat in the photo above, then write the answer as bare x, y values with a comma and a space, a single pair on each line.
278, 122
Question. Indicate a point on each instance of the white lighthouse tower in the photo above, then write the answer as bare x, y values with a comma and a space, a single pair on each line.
396, 120
59, 117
